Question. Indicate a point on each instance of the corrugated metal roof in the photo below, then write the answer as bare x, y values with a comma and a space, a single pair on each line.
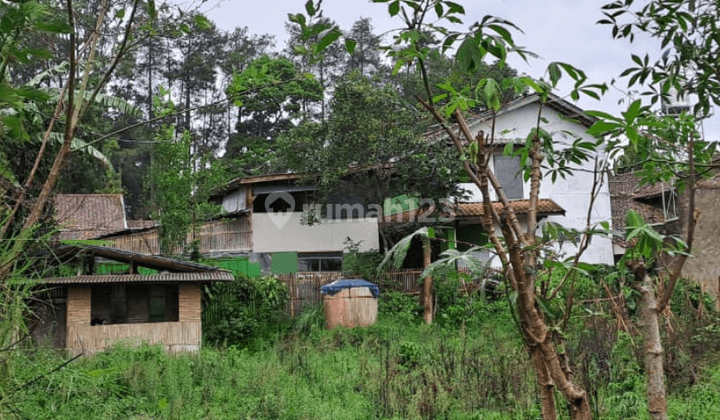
155, 262
142, 278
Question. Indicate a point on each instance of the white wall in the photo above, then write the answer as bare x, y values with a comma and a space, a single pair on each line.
573, 193
328, 236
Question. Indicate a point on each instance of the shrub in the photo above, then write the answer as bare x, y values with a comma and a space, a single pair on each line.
247, 309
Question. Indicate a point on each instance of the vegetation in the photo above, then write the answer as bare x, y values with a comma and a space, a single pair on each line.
396, 369
83, 110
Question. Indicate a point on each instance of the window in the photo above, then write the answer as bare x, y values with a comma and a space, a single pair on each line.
319, 262
507, 170
133, 303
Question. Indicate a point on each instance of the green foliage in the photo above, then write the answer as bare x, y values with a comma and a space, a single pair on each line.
180, 182
271, 95
363, 264
393, 369
649, 242
310, 321
399, 307
243, 312
370, 148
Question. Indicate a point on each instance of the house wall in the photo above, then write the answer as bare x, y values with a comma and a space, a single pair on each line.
184, 335
703, 266
573, 193
328, 236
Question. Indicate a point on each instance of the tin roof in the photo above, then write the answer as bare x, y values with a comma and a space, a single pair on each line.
250, 180
219, 275
155, 262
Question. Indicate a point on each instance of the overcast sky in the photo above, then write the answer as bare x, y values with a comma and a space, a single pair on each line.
556, 30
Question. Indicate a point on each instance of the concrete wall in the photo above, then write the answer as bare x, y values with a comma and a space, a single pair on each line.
328, 236
704, 265
185, 335
573, 193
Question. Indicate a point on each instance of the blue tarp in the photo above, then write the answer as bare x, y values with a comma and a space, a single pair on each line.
338, 285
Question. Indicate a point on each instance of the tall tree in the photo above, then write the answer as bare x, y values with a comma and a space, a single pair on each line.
371, 148
81, 86
366, 58
181, 180
265, 113
326, 65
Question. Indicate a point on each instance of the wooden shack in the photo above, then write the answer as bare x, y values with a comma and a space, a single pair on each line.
88, 313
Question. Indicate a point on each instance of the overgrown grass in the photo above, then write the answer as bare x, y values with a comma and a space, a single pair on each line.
395, 369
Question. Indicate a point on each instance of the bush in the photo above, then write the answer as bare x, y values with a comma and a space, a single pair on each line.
399, 306
245, 310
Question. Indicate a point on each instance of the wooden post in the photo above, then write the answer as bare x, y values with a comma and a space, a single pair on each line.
427, 297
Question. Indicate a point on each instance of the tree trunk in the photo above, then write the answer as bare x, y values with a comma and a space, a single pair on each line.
650, 325
427, 295
545, 382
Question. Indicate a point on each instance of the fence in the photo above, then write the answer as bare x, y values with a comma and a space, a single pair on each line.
304, 287
216, 236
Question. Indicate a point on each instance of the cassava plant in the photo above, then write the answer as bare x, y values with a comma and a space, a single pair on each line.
667, 148
518, 247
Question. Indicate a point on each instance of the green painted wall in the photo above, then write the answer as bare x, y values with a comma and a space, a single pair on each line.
284, 263
241, 265
451, 235
119, 268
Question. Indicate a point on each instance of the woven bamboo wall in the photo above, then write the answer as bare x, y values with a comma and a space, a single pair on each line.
176, 336
190, 303
215, 236
78, 305
185, 335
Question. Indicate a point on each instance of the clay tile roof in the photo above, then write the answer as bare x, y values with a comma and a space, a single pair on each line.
652, 190
546, 207
87, 216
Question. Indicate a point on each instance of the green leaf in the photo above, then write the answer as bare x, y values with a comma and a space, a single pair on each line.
152, 11
120, 14
310, 8
54, 27
79, 145
5, 170
394, 8
554, 72
328, 38
350, 45
632, 111
202, 22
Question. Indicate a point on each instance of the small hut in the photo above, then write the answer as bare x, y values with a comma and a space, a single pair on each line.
156, 300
